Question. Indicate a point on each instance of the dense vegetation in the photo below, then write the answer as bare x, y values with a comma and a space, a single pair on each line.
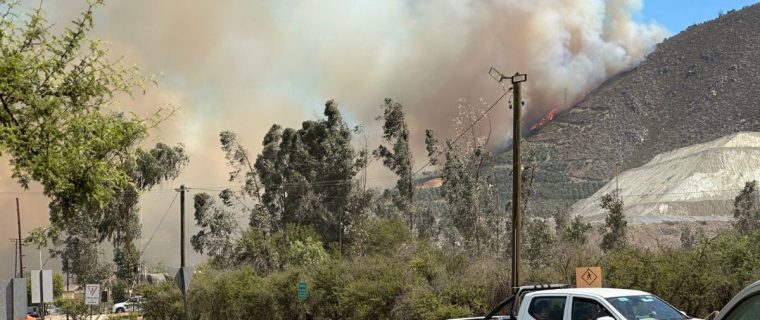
397, 253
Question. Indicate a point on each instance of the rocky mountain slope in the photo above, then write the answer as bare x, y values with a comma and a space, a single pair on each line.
695, 183
697, 86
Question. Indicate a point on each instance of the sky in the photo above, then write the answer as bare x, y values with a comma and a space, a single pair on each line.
244, 65
676, 15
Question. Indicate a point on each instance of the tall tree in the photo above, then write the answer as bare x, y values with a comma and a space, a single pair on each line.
58, 129
468, 188
218, 228
615, 223
307, 174
747, 209
119, 221
397, 157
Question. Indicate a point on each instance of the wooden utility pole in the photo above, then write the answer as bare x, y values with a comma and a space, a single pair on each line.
516, 168
182, 189
20, 241
516, 177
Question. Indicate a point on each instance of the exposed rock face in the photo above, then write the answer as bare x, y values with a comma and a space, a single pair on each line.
697, 86
695, 183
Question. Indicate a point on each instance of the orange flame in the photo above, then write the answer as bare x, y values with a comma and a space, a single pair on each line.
546, 119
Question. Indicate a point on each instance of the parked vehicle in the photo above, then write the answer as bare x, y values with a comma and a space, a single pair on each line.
557, 302
131, 305
745, 305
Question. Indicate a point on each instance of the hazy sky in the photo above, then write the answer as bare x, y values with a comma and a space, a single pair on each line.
243, 65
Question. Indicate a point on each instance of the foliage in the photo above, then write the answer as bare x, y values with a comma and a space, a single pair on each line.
57, 126
397, 157
58, 284
697, 280
217, 228
540, 238
567, 230
468, 187
120, 290
131, 316
615, 223
379, 236
161, 301
74, 308
307, 174
747, 209
119, 217
59, 129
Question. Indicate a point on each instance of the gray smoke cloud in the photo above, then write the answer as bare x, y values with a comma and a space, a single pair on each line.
244, 65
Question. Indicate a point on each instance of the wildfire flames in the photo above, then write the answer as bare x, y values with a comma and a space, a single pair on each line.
548, 117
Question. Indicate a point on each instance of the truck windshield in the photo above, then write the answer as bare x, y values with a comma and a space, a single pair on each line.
646, 307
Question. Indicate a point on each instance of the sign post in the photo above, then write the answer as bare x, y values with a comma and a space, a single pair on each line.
588, 277
303, 291
92, 294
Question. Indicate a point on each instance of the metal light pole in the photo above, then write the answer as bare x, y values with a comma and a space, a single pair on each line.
516, 168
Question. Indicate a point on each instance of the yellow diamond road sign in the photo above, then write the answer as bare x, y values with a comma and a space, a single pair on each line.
588, 277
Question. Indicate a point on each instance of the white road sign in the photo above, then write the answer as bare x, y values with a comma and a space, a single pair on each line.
92, 294
47, 286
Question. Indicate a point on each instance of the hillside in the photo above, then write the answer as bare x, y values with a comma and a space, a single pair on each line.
697, 86
695, 183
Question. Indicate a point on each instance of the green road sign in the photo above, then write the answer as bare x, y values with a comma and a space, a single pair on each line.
303, 291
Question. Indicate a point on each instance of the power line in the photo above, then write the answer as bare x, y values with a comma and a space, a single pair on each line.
159, 225
461, 134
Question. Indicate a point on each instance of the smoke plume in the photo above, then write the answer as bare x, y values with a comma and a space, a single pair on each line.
244, 65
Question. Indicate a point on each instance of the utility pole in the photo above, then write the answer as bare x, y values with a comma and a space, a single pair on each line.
516, 169
182, 189
20, 241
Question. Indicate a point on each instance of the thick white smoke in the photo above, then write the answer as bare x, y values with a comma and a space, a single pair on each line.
243, 65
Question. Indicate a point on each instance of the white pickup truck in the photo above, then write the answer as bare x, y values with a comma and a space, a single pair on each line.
553, 302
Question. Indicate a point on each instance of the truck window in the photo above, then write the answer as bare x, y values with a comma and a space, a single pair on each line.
746, 310
547, 308
588, 309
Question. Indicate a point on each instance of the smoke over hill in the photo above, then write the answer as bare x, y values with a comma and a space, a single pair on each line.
244, 65
697, 86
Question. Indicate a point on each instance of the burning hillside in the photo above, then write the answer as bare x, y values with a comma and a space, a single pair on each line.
696, 87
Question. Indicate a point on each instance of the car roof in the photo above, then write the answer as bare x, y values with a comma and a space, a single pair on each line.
599, 292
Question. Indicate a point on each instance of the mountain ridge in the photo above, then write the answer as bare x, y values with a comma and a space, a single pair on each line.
697, 86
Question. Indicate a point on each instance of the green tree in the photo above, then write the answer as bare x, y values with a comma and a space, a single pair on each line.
55, 124
747, 209
218, 228
468, 186
540, 238
307, 174
243, 170
58, 129
119, 219
397, 157
615, 224
577, 232
570, 230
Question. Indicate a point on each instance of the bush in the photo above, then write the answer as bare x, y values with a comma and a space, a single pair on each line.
161, 301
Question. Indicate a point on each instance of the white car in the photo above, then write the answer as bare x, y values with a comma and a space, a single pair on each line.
131, 305
544, 302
